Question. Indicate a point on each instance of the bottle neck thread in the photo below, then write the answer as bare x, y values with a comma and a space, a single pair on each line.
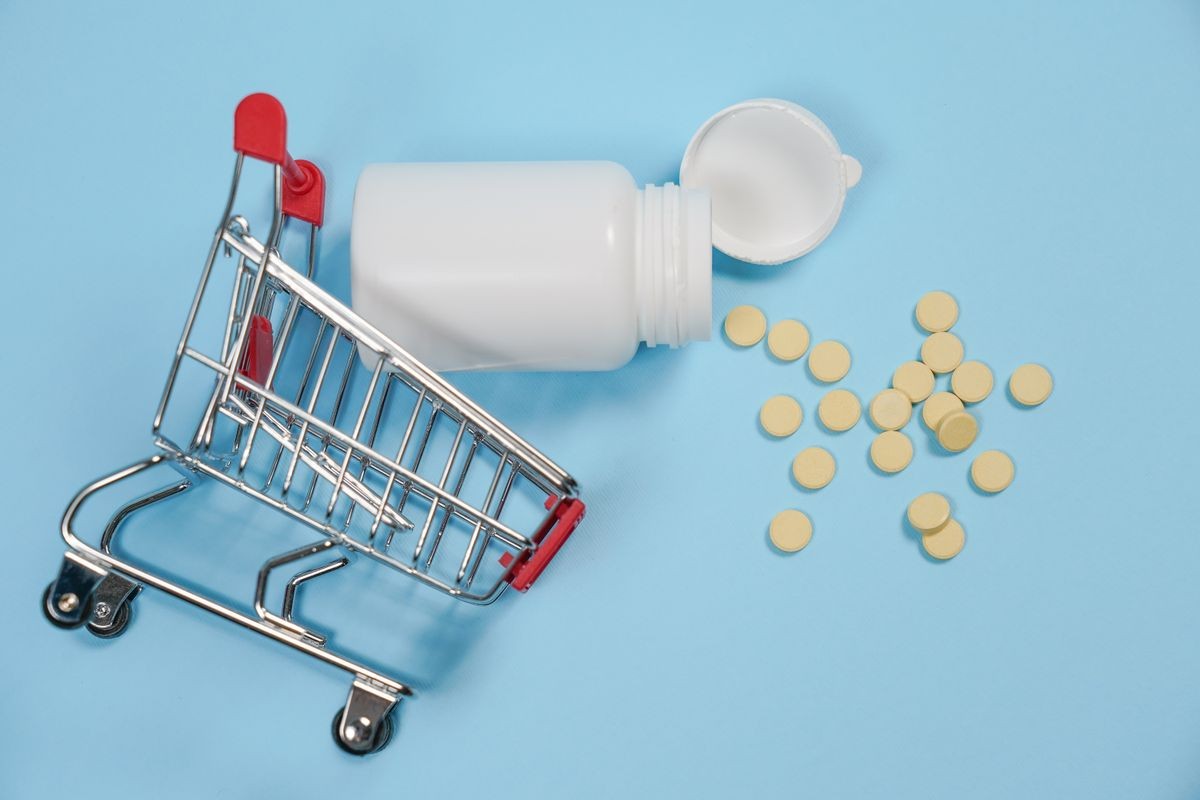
673, 265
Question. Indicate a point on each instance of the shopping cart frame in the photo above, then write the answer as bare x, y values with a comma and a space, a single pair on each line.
96, 587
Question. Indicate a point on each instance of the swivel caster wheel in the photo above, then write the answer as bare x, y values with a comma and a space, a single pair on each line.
65, 613
107, 624
359, 737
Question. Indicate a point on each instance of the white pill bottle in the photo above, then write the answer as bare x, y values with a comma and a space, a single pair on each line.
529, 266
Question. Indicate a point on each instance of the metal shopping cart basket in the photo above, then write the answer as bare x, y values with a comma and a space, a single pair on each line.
280, 392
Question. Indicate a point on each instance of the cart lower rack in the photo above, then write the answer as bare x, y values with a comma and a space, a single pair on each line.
280, 392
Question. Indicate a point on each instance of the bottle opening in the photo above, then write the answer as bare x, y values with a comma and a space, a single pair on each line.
674, 265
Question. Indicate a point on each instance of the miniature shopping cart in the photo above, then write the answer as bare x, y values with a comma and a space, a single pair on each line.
280, 392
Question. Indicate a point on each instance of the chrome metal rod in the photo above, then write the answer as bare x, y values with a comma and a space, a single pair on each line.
208, 604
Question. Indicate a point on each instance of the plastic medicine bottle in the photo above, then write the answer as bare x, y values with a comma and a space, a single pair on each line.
529, 266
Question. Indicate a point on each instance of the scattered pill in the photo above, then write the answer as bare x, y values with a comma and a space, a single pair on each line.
1030, 384
791, 530
942, 351
914, 379
937, 311
788, 340
745, 326
946, 542
972, 381
992, 471
829, 361
891, 451
929, 512
937, 407
839, 410
814, 467
957, 431
781, 415
890, 410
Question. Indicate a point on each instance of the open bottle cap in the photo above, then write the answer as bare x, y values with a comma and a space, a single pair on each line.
777, 177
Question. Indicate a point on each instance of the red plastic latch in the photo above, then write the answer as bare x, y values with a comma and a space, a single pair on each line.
550, 538
256, 360
307, 202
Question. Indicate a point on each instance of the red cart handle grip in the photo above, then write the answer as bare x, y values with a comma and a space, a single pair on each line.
260, 131
553, 533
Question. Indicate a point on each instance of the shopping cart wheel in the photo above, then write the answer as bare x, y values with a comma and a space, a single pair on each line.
111, 630
360, 741
52, 614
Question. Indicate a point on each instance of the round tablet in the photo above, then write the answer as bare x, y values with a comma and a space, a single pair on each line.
839, 410
972, 381
890, 410
891, 451
945, 543
937, 407
745, 325
957, 431
791, 530
929, 512
914, 379
942, 352
813, 468
781, 415
1030, 384
788, 340
992, 471
829, 361
937, 311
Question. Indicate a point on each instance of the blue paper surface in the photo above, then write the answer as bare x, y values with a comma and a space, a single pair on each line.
1037, 160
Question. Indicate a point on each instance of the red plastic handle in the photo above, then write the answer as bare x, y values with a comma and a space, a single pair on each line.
260, 131
256, 358
553, 534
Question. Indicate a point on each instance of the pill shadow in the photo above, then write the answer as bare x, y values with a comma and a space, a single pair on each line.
775, 551
1012, 401
882, 473
914, 535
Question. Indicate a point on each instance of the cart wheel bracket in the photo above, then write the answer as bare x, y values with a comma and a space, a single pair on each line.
68, 600
363, 725
113, 594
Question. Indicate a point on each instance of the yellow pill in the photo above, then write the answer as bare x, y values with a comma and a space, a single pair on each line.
914, 379
957, 431
891, 451
814, 467
745, 325
781, 415
791, 530
1030, 384
890, 410
945, 543
937, 407
829, 361
992, 471
942, 352
937, 311
839, 410
972, 381
929, 512
788, 340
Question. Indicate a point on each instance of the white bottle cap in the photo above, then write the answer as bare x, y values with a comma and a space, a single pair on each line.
776, 175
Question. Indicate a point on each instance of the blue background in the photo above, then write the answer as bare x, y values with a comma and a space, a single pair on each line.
1036, 159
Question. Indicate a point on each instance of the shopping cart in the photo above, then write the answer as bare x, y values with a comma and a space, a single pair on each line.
280, 392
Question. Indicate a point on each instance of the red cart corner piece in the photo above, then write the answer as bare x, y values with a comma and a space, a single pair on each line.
256, 358
554, 533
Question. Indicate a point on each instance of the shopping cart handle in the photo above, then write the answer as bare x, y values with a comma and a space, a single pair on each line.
260, 131
554, 532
